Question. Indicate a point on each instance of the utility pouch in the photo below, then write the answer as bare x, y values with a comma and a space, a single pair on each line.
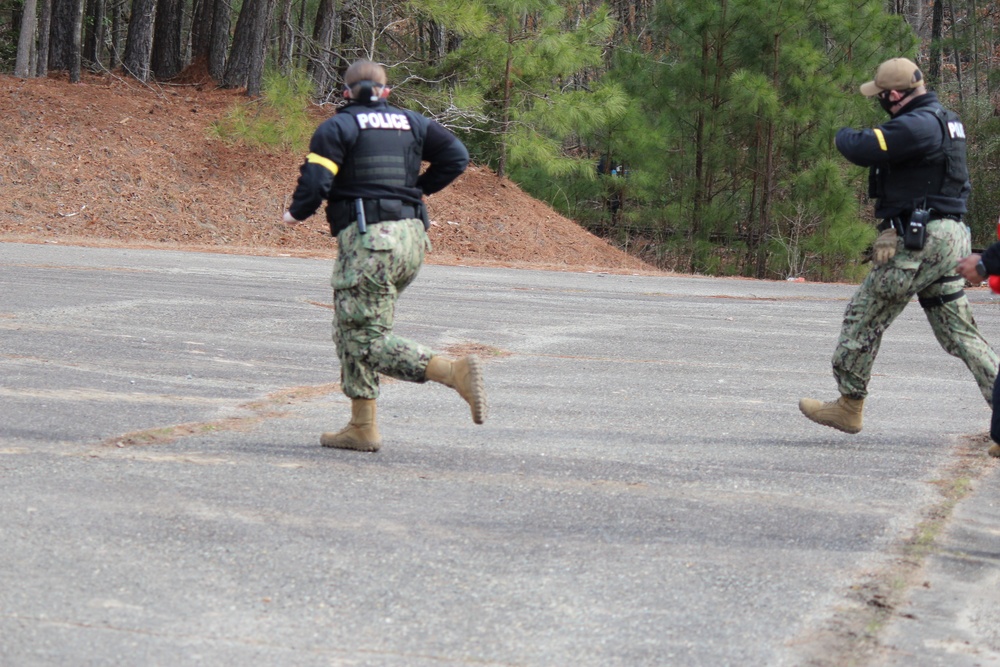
390, 209
915, 231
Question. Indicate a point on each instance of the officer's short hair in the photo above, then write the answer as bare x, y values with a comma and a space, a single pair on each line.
364, 70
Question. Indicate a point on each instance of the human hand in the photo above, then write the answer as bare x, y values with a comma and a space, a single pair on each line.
967, 268
884, 247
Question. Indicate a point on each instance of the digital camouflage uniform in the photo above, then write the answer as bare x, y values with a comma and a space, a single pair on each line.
367, 162
371, 271
889, 288
918, 176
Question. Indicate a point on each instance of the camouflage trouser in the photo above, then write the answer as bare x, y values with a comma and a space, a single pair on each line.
890, 287
370, 272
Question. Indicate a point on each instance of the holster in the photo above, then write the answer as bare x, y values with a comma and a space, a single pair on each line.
341, 214
911, 226
898, 223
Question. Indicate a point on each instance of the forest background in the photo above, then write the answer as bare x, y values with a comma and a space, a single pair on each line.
695, 134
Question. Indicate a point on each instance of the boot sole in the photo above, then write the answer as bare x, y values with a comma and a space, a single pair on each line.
851, 431
823, 422
330, 440
478, 387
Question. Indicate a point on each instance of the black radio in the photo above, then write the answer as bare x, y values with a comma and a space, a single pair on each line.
915, 231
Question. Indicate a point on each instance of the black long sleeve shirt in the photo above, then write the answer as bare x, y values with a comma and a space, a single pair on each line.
333, 140
906, 138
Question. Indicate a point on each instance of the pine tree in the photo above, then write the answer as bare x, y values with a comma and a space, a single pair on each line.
517, 66
745, 100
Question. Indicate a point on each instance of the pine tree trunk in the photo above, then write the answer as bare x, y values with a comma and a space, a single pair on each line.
117, 28
937, 28
438, 42
348, 43
96, 31
767, 185
26, 40
61, 34
974, 12
508, 85
44, 26
300, 52
955, 52
700, 147
258, 57
76, 43
88, 29
219, 43
139, 43
286, 37
246, 59
201, 29
166, 60
321, 67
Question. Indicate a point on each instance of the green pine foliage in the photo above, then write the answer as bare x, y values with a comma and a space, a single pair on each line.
735, 114
522, 69
698, 135
10, 16
470, 19
279, 120
701, 140
982, 127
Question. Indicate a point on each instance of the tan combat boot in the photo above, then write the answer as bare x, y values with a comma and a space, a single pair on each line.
994, 451
361, 434
844, 414
465, 377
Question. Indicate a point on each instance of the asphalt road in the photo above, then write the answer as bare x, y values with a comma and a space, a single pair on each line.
644, 491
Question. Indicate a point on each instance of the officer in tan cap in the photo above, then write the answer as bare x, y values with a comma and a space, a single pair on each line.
920, 181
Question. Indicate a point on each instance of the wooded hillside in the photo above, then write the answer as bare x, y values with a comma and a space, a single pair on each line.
112, 162
698, 132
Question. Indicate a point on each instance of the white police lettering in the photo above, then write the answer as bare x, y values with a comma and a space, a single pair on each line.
379, 120
956, 130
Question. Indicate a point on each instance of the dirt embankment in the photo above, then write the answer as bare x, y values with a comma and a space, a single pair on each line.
113, 162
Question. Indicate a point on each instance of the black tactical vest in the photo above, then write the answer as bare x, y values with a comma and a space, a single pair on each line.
386, 155
381, 167
936, 177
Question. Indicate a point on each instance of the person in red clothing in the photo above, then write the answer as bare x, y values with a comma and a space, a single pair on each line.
976, 268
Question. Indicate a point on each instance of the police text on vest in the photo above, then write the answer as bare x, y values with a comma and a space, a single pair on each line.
379, 120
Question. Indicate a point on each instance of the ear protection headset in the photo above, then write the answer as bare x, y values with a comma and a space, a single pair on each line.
365, 90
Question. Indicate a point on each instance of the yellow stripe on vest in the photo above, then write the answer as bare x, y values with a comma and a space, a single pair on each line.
323, 162
878, 135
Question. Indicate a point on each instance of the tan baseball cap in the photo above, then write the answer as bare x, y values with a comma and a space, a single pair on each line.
894, 74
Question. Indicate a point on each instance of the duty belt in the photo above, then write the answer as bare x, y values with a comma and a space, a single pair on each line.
899, 222
385, 210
